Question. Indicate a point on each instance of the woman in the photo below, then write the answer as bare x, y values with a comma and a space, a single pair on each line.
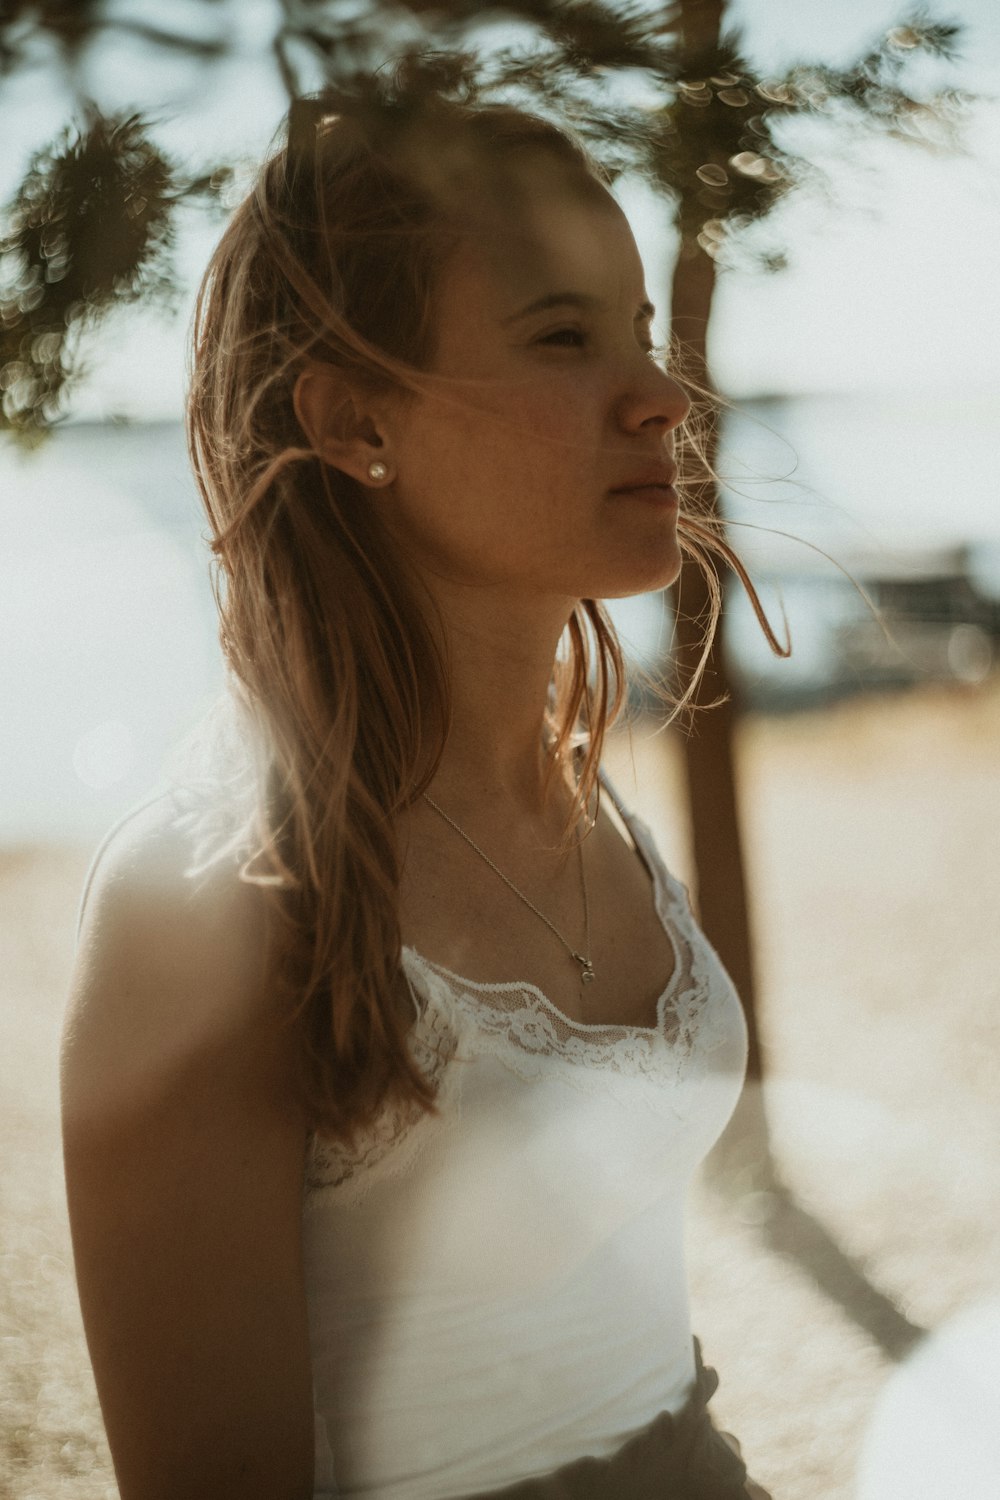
385, 1072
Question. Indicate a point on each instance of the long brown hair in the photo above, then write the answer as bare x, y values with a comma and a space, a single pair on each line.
334, 650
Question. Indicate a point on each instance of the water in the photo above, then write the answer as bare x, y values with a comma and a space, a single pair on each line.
108, 648
107, 632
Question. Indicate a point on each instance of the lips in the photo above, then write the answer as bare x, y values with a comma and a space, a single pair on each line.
660, 477
653, 486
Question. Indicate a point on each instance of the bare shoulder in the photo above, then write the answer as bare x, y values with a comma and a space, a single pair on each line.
171, 968
183, 1145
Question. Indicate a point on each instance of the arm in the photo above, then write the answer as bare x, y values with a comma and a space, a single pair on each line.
183, 1152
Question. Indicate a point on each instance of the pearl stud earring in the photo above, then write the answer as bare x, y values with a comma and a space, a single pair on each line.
377, 469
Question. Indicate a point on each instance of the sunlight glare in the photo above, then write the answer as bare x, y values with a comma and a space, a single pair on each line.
935, 1430
104, 755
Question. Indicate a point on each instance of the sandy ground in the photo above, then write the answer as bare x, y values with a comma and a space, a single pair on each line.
873, 842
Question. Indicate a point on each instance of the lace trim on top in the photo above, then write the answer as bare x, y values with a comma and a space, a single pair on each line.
516, 1020
395, 1138
459, 1019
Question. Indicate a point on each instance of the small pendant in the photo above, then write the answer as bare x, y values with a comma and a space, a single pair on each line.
587, 968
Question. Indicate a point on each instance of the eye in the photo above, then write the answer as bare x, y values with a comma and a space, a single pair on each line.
560, 335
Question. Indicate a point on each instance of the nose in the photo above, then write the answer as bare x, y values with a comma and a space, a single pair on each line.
654, 400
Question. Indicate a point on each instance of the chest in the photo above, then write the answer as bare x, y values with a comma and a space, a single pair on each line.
462, 915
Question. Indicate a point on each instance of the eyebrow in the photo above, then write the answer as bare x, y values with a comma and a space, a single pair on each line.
572, 299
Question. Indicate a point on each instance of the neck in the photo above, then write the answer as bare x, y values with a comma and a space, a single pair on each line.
501, 666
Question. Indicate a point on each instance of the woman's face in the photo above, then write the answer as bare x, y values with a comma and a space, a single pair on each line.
512, 476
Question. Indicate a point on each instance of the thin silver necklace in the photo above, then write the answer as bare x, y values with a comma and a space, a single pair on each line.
586, 966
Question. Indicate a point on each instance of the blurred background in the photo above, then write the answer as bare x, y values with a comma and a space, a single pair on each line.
859, 1351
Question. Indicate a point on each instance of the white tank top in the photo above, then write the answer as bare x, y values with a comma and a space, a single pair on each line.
500, 1290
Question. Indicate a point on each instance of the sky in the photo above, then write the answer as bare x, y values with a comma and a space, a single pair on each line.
891, 288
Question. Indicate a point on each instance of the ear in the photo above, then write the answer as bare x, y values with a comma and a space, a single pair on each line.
339, 422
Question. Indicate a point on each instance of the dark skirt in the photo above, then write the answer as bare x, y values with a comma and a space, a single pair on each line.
679, 1456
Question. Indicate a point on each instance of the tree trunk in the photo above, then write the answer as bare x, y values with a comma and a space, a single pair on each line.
709, 746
